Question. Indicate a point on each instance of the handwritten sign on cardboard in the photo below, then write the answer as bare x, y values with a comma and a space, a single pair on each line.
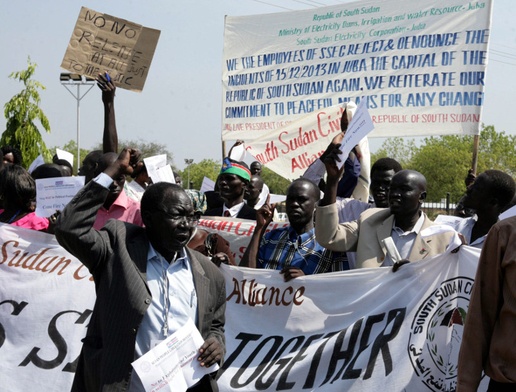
101, 42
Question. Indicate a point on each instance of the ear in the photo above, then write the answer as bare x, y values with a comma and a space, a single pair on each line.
147, 218
422, 196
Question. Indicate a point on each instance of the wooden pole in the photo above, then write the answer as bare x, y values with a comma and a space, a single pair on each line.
223, 150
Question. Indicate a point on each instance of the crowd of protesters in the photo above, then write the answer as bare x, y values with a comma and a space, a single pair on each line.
120, 209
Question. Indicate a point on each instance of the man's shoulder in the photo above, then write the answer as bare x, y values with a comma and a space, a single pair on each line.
276, 233
217, 211
506, 224
247, 212
128, 229
210, 269
375, 214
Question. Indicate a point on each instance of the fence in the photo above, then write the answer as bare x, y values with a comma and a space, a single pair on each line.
443, 207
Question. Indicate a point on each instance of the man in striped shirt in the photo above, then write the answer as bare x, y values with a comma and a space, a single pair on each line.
293, 250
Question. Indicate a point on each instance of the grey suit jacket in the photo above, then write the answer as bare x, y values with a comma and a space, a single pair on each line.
365, 236
116, 256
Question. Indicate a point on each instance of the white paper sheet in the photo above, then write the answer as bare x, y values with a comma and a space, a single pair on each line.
55, 193
160, 364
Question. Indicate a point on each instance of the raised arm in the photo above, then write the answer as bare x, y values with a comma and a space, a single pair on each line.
333, 176
74, 228
110, 135
263, 218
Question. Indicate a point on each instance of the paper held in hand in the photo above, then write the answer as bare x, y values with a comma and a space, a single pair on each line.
173, 361
359, 127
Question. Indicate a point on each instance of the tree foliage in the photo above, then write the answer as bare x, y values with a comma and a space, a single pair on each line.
396, 148
209, 168
445, 160
148, 149
497, 151
22, 113
71, 147
277, 184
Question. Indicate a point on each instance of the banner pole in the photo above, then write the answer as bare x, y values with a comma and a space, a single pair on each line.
223, 149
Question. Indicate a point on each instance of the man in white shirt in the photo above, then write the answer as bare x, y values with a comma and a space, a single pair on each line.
404, 221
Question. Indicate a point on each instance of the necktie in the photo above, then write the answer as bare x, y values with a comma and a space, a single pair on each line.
227, 214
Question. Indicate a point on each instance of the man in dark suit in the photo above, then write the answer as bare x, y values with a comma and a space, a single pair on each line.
148, 283
231, 183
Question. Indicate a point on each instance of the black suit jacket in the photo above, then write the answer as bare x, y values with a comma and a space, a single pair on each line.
245, 213
116, 256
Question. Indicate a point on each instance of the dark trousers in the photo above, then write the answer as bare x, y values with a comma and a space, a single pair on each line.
205, 385
495, 386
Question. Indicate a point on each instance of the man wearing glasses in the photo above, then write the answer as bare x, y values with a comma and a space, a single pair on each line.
148, 283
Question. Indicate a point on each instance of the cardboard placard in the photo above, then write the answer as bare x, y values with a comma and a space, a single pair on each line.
101, 42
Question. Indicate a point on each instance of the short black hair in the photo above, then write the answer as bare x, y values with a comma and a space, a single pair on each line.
386, 164
156, 194
500, 186
17, 155
90, 163
17, 186
47, 170
310, 183
64, 162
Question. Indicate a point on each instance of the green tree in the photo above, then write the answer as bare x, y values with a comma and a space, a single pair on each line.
22, 111
209, 168
71, 147
445, 160
148, 149
396, 148
497, 151
277, 184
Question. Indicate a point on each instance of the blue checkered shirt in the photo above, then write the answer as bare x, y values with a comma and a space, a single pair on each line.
284, 248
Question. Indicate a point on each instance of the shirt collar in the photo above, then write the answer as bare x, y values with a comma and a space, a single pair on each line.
293, 236
153, 254
122, 200
416, 229
233, 211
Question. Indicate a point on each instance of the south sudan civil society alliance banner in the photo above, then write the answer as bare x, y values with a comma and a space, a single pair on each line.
363, 330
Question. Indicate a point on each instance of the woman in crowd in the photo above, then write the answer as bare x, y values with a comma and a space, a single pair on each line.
18, 195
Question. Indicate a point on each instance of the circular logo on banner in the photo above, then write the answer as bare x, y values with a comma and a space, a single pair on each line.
436, 334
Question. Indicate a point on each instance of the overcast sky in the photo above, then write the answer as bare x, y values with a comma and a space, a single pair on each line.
181, 103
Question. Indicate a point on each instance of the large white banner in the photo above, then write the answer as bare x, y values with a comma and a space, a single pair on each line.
46, 299
420, 66
360, 330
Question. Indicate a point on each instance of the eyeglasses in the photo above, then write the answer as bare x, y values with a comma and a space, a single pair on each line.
190, 219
